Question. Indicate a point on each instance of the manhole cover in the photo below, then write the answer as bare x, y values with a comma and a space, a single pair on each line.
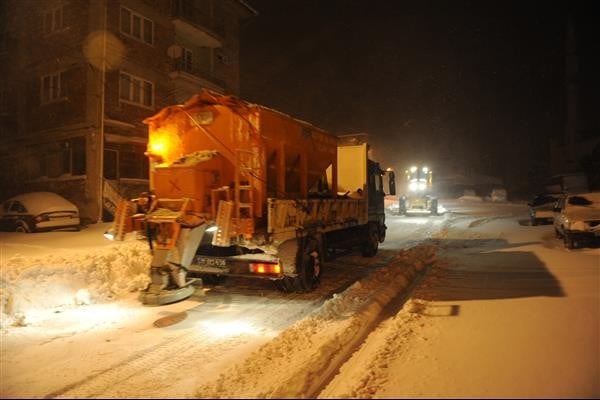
170, 319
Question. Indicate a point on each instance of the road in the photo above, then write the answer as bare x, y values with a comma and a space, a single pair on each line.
370, 329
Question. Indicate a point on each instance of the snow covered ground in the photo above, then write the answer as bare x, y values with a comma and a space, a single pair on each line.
473, 303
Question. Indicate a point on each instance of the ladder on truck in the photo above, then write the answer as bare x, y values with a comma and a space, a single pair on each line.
236, 217
243, 193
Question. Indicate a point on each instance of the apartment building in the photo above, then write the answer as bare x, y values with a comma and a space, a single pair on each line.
79, 76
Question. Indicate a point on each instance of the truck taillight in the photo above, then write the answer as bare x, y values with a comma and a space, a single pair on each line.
265, 268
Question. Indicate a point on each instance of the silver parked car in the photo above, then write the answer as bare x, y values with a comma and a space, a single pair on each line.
38, 211
541, 208
577, 218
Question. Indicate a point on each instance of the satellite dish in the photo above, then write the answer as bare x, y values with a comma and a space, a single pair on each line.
174, 51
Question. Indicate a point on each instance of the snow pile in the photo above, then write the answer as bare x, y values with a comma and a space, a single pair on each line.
30, 286
498, 195
368, 368
470, 197
302, 358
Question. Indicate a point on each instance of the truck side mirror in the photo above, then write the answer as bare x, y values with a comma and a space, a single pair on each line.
392, 182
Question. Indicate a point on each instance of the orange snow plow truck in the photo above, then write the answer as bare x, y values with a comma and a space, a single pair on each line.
240, 189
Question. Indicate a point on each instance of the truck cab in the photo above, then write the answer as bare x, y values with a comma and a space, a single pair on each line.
418, 197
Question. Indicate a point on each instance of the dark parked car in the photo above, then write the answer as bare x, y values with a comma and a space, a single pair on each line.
541, 208
38, 211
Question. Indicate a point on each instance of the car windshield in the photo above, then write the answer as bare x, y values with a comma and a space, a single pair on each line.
543, 199
591, 200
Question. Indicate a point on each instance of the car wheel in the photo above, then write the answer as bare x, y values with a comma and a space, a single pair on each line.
23, 227
557, 233
534, 221
569, 242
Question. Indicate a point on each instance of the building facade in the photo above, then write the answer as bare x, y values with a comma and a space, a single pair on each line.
80, 76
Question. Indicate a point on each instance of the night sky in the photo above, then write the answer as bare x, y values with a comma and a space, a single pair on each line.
465, 86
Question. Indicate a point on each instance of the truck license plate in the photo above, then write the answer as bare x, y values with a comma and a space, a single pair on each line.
211, 261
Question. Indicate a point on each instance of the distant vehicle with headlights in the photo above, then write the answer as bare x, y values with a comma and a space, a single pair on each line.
577, 219
37, 212
418, 197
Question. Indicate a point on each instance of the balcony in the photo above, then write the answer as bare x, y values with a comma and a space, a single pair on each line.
195, 75
196, 24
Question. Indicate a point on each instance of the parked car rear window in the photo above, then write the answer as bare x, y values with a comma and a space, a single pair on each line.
580, 201
18, 207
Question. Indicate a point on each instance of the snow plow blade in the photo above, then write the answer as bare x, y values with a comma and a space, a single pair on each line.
164, 296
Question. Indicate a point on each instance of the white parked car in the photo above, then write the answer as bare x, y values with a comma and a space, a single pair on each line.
577, 218
541, 208
38, 211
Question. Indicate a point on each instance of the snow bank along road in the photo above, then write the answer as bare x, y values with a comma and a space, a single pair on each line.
470, 303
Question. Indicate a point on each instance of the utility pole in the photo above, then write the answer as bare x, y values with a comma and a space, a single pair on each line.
101, 124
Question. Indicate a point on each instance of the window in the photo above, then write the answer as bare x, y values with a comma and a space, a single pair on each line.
74, 157
136, 90
137, 26
223, 58
52, 88
125, 162
133, 163
17, 207
111, 159
54, 20
186, 60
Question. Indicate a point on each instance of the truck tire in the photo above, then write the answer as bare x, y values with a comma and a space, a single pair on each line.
402, 206
371, 245
434, 207
309, 266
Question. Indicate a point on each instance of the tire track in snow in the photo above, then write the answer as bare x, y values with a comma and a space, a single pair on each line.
302, 359
98, 383
153, 370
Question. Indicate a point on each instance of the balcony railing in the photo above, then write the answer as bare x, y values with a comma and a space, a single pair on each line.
200, 18
178, 65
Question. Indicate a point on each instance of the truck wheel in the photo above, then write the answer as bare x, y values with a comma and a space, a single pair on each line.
23, 226
310, 265
434, 207
402, 206
371, 245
